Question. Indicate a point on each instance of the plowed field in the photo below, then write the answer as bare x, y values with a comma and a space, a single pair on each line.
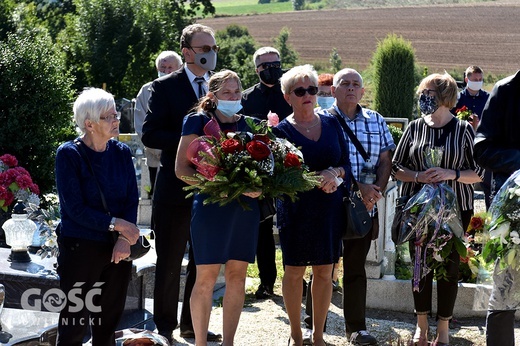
444, 37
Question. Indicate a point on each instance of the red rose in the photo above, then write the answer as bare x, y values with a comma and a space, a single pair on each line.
230, 146
476, 222
292, 160
258, 150
262, 137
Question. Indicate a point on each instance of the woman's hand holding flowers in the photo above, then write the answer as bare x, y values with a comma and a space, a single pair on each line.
437, 175
253, 194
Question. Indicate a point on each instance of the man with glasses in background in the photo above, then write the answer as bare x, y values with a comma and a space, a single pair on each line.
172, 97
258, 101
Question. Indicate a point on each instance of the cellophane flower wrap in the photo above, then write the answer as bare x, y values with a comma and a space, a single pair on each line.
433, 221
233, 163
500, 260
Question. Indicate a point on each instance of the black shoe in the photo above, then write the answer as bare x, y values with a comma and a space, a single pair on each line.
361, 337
190, 334
264, 291
168, 336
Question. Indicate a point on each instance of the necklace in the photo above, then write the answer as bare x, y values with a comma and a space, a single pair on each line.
307, 129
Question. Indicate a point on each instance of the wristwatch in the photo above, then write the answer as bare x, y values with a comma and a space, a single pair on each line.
112, 225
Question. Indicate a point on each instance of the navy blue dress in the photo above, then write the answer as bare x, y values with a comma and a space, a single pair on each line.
311, 227
220, 234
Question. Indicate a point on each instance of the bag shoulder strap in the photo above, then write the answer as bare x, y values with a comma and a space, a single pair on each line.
83, 154
351, 134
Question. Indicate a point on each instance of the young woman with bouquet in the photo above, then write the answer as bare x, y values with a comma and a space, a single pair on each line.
437, 149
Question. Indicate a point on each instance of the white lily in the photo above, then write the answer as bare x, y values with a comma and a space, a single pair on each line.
500, 231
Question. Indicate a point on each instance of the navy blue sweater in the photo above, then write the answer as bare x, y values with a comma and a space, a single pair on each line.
82, 212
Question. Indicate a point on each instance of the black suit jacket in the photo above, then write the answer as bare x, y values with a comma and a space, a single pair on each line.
497, 142
172, 97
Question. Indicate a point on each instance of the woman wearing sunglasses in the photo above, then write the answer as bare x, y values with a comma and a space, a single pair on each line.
311, 227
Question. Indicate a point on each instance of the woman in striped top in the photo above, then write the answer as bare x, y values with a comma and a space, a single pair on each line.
438, 128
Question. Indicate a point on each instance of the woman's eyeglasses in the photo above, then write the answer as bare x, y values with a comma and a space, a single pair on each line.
111, 118
428, 92
312, 90
266, 65
207, 48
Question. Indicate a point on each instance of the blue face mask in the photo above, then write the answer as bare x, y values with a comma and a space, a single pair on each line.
229, 108
325, 102
427, 104
161, 74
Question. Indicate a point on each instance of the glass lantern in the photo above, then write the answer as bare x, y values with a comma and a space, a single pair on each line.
19, 232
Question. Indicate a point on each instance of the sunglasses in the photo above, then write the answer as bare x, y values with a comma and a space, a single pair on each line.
312, 90
207, 48
266, 65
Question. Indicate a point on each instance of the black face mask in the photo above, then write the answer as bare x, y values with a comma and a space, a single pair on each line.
271, 75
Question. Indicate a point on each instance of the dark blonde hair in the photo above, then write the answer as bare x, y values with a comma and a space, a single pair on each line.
445, 88
215, 83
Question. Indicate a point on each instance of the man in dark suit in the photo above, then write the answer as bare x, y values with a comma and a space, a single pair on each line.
172, 97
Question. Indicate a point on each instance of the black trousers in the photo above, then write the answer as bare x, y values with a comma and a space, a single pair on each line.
172, 233
266, 253
355, 253
500, 328
99, 302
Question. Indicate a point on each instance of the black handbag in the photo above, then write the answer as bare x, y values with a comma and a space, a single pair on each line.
142, 246
359, 221
399, 217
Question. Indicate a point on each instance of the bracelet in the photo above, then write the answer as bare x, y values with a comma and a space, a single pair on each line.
123, 237
415, 179
331, 172
457, 174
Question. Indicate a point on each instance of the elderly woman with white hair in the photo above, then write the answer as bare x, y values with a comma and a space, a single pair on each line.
311, 227
98, 197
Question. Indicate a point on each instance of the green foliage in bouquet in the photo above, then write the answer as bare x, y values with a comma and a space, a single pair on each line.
240, 162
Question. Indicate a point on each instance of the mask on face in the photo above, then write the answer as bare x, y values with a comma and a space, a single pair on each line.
325, 102
161, 74
229, 108
207, 61
475, 85
427, 104
271, 75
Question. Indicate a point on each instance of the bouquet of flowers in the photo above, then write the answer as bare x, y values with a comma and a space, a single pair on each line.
236, 162
503, 241
463, 113
15, 183
433, 220
473, 239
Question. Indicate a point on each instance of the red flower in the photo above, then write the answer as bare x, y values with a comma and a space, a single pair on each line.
476, 223
34, 189
24, 181
258, 150
262, 137
9, 160
292, 160
461, 109
230, 146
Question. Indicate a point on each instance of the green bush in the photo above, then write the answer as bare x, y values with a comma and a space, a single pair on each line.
394, 77
36, 107
396, 133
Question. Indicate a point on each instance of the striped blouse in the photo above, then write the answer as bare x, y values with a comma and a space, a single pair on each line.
458, 154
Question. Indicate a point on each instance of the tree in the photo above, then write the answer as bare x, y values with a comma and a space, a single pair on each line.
394, 77
335, 60
237, 47
35, 112
116, 41
288, 55
298, 5
6, 24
